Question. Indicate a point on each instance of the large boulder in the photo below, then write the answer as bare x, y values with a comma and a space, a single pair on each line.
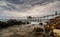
3, 24
55, 21
11, 22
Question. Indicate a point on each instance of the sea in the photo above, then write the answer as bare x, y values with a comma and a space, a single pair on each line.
45, 20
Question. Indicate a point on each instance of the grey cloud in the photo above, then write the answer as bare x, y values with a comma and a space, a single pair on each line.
24, 5
11, 7
16, 1
7, 7
30, 2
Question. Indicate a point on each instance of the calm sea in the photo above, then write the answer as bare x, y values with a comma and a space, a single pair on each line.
4, 20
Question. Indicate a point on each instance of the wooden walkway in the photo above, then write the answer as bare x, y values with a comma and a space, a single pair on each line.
46, 18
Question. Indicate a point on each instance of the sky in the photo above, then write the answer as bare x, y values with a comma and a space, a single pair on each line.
24, 8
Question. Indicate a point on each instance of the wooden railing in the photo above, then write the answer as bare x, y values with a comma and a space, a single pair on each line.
47, 17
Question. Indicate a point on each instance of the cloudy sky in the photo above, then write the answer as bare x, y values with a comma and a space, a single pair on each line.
23, 8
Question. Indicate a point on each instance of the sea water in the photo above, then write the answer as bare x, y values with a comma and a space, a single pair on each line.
43, 20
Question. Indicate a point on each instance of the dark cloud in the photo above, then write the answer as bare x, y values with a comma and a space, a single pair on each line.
11, 7
39, 2
15, 1
7, 7
30, 2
